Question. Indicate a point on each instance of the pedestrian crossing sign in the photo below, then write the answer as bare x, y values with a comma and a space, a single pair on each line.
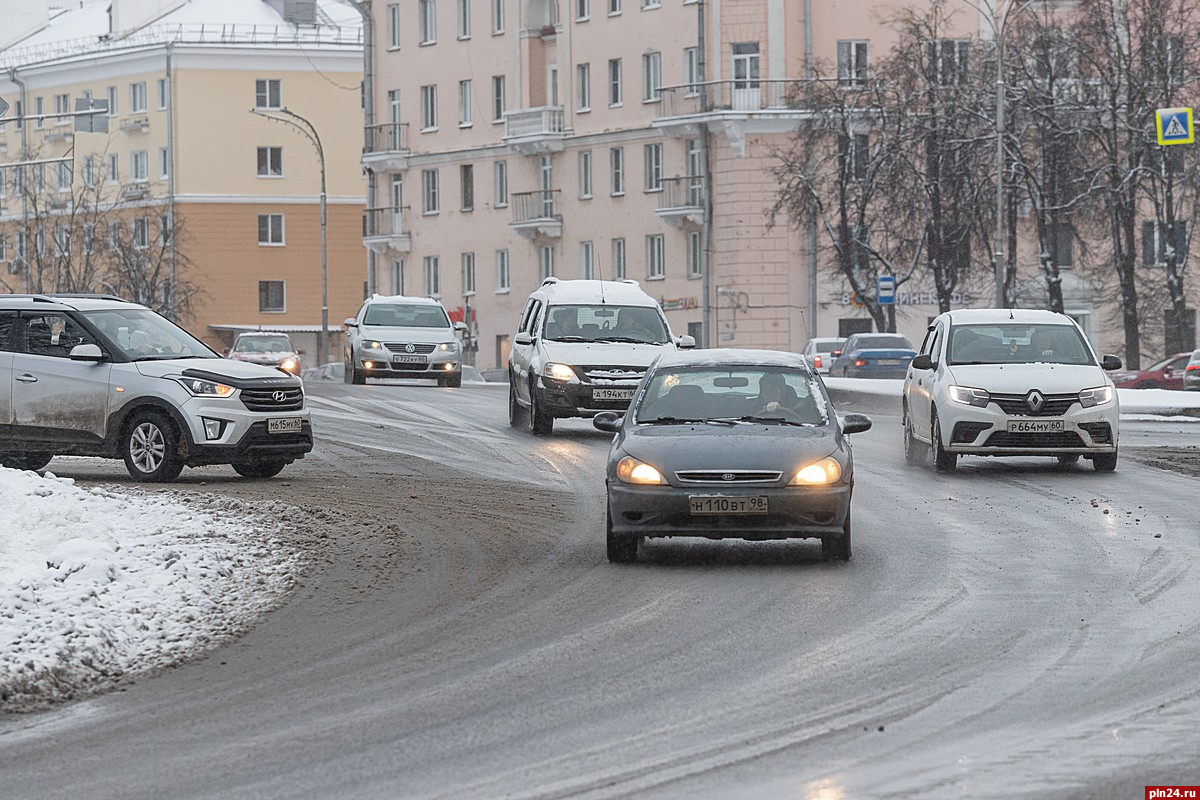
1175, 126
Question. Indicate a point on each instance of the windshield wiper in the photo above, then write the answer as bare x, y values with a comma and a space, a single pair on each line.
568, 338
679, 420
628, 339
779, 420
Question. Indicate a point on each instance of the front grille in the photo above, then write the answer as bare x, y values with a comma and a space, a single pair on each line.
1100, 432
1034, 440
265, 400
402, 347
1015, 406
609, 373
729, 476
966, 432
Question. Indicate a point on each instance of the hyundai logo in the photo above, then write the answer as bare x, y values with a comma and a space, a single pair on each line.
728, 476
410, 348
279, 397
1035, 401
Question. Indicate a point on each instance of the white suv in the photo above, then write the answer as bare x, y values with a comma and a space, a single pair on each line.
393, 336
1010, 382
581, 347
97, 376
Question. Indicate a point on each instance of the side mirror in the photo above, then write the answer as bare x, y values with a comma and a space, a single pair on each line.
460, 326
1110, 363
686, 342
299, 352
608, 421
86, 352
523, 338
856, 423
350, 322
922, 361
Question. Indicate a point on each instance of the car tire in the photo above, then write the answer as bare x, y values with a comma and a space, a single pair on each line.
150, 447
911, 456
25, 461
259, 469
838, 548
1105, 462
454, 381
942, 460
540, 421
516, 411
348, 370
621, 549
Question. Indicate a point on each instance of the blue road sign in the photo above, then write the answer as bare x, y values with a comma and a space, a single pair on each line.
885, 291
1174, 126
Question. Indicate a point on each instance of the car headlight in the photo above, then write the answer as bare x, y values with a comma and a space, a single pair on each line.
289, 365
630, 470
560, 372
368, 345
827, 470
198, 387
448, 347
1096, 396
968, 396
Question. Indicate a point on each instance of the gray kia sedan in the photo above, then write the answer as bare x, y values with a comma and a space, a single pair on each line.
738, 444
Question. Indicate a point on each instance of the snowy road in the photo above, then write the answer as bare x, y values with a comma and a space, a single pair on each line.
1011, 630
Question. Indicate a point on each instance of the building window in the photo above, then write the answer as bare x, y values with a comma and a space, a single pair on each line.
654, 166
430, 189
651, 4
393, 26
427, 16
651, 77
498, 16
1064, 245
545, 262
137, 97
587, 261
62, 241
62, 175
499, 103
468, 274
140, 233
947, 61
163, 94
618, 259
583, 10
583, 87
500, 193
614, 7
502, 284
655, 257
114, 168
164, 163
585, 174
268, 93
62, 108
616, 160
139, 165
614, 82
433, 276
464, 19
270, 162
112, 101
429, 120
854, 155
465, 102
270, 229
39, 111
852, 64
691, 71
466, 174
271, 297
19, 114
397, 276
1155, 238
695, 254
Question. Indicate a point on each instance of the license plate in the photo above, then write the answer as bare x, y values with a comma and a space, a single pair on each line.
727, 505
284, 425
1036, 426
408, 359
612, 394
888, 362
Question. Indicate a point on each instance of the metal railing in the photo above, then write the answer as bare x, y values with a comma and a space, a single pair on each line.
530, 206
685, 192
390, 137
381, 222
734, 95
541, 121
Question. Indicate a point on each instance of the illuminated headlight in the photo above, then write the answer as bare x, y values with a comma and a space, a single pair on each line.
827, 470
560, 372
290, 365
630, 470
213, 428
448, 347
199, 387
372, 345
968, 396
1097, 396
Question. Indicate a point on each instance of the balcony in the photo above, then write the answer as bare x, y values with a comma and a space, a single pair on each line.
534, 214
135, 190
743, 106
386, 147
59, 199
536, 130
384, 230
140, 124
682, 201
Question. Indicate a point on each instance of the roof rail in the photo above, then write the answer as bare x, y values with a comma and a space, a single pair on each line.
632, 281
53, 297
549, 280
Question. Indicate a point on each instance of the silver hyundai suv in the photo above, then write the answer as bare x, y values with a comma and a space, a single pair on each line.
394, 336
97, 376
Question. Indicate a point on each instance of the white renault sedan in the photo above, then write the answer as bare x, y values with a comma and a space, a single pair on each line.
1010, 382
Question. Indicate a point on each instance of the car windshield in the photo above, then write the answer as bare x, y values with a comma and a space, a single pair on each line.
731, 395
143, 335
262, 344
1018, 343
406, 315
882, 342
606, 323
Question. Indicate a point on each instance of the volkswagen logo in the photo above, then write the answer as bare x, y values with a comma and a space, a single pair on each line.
410, 348
279, 397
728, 476
1035, 400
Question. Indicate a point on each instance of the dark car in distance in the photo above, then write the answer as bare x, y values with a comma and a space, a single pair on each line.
874, 355
725, 443
1165, 374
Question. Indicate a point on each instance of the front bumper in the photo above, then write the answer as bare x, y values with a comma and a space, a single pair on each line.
243, 434
984, 432
383, 364
579, 399
794, 512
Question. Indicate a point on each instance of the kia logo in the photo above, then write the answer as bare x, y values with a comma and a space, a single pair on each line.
1035, 401
728, 476
279, 397
410, 348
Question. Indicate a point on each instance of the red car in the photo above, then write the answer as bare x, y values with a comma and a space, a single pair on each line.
1166, 374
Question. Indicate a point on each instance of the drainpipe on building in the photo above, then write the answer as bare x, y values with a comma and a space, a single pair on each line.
172, 300
706, 337
368, 88
811, 225
12, 73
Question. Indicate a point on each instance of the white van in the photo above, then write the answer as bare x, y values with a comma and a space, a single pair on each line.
582, 347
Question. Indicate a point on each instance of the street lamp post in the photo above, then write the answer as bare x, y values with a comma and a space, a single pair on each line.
305, 127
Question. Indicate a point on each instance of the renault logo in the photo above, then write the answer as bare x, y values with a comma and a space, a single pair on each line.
728, 476
410, 348
279, 397
1035, 401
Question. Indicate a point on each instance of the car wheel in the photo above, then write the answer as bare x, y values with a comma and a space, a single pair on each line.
357, 376
30, 461
540, 421
911, 456
150, 447
838, 548
1106, 462
348, 370
259, 469
454, 381
515, 411
943, 461
621, 549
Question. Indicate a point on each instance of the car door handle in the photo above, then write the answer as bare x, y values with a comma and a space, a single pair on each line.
27, 378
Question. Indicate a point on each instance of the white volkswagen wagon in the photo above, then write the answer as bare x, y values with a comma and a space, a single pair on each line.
1010, 382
